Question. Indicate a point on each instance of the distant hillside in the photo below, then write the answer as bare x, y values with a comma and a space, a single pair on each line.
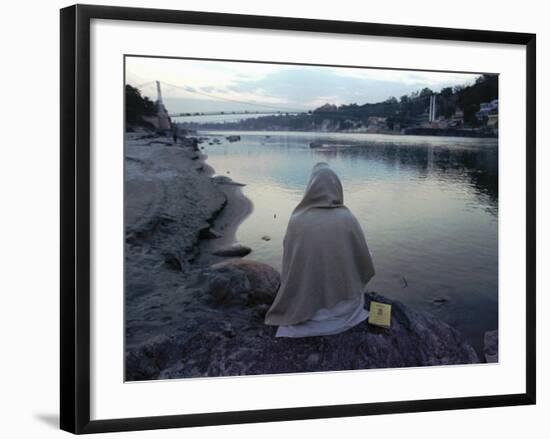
407, 111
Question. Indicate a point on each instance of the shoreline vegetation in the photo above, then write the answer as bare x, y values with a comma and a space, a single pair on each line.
460, 111
193, 311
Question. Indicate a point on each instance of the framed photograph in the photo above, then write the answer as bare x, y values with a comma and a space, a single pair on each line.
273, 218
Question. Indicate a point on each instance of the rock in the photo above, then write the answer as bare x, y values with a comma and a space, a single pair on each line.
190, 142
223, 334
227, 287
263, 279
490, 346
209, 233
233, 250
240, 282
223, 179
153, 356
266, 238
313, 359
160, 142
233, 138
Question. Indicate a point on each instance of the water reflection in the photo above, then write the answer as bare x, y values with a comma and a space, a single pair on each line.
428, 206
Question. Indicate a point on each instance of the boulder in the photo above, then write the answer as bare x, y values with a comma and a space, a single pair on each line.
262, 280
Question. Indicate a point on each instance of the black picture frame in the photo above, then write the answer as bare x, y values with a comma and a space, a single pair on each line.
75, 217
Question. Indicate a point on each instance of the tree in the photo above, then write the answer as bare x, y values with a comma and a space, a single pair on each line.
137, 106
426, 92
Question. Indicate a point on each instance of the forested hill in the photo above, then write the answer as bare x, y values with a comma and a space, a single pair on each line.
407, 111
410, 108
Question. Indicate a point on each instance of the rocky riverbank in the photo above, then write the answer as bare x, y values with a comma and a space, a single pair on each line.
222, 333
172, 201
192, 313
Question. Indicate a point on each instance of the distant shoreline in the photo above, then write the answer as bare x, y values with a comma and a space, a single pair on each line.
428, 132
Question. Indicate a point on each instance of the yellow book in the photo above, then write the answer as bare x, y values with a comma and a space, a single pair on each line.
380, 314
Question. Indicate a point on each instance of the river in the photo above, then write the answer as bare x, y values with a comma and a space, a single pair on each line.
428, 207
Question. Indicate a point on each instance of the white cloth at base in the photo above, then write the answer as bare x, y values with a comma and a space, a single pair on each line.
343, 316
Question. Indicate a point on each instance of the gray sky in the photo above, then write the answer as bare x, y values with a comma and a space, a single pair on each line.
231, 86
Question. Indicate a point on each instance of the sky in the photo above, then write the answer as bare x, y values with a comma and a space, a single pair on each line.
211, 86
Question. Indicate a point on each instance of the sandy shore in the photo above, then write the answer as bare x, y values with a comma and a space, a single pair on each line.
226, 223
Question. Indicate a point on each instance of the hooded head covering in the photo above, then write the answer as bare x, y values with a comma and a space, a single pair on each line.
324, 189
325, 254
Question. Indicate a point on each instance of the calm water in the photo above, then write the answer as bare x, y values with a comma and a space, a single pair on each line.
428, 207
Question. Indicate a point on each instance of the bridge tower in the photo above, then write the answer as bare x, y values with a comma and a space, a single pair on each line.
162, 120
432, 111
159, 95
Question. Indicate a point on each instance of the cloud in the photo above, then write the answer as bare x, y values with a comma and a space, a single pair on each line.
303, 87
214, 84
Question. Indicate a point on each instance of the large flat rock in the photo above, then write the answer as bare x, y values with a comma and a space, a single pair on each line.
221, 332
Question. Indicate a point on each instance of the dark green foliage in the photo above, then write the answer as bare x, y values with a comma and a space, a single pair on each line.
137, 106
485, 89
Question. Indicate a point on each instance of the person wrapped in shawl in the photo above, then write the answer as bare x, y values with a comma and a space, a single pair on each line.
326, 264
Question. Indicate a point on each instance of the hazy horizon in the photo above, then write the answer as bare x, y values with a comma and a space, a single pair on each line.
204, 85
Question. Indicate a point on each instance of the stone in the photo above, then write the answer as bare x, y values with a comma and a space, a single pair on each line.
222, 179
263, 279
313, 359
239, 282
225, 335
266, 238
490, 346
209, 233
235, 250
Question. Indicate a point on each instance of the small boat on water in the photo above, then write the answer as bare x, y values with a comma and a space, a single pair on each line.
328, 146
315, 144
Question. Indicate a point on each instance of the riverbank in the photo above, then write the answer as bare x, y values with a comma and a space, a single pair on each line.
411, 131
189, 315
223, 334
173, 206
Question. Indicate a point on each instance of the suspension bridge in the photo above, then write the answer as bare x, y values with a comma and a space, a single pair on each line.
252, 108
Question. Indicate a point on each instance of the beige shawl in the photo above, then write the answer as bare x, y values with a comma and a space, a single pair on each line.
325, 255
